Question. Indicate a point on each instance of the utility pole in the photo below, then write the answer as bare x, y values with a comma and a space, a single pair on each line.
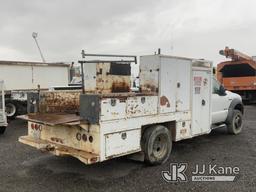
34, 35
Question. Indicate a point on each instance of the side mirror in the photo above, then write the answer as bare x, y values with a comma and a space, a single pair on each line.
222, 91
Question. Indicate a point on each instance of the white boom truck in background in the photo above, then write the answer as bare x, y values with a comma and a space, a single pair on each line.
3, 119
178, 99
23, 77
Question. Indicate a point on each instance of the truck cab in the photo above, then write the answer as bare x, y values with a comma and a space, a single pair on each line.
227, 108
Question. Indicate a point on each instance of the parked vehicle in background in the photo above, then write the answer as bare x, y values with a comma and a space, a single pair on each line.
177, 99
239, 74
23, 77
3, 119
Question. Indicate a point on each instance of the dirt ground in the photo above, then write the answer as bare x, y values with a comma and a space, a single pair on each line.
23, 168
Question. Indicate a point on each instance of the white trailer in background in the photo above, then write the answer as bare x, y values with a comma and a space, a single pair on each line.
3, 119
23, 77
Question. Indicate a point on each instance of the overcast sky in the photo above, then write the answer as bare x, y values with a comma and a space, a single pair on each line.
190, 28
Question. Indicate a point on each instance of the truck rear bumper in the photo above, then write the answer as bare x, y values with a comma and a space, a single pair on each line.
60, 150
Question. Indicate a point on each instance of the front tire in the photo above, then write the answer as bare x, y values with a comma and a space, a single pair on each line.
235, 124
156, 144
2, 130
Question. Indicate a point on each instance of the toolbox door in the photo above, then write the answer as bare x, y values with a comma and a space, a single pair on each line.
121, 143
167, 91
201, 96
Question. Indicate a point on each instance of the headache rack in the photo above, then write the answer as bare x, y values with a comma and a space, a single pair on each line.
120, 61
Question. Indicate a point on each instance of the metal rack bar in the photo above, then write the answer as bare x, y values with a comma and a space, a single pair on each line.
84, 55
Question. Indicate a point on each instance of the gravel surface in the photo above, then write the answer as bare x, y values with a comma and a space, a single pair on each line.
23, 168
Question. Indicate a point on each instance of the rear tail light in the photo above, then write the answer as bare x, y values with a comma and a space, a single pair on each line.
35, 126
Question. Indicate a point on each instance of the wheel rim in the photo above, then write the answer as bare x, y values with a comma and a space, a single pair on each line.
10, 109
238, 121
160, 146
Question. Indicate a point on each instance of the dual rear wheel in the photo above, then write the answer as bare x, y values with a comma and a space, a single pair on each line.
156, 144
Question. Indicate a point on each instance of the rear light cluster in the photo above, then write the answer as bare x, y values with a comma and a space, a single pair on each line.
84, 137
36, 127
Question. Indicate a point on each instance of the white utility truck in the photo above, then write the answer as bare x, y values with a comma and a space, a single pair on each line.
3, 119
178, 99
23, 77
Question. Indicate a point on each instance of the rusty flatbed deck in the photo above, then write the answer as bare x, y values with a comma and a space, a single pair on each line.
51, 118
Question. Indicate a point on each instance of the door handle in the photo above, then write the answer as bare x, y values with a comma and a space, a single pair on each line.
203, 102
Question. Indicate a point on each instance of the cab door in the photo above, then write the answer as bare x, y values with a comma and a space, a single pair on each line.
220, 103
201, 102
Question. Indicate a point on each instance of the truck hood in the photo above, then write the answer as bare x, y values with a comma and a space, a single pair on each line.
232, 95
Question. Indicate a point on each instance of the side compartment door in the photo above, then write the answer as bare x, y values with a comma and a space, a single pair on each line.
201, 104
167, 91
183, 89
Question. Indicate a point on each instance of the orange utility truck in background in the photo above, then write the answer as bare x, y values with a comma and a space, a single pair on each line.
239, 74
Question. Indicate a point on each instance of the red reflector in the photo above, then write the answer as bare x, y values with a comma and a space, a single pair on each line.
36, 126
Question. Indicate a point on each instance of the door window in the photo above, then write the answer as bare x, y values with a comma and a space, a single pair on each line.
215, 86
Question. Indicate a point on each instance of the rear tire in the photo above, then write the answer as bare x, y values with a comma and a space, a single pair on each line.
2, 130
235, 123
156, 144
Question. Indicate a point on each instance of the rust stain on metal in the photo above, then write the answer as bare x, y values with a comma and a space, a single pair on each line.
164, 101
59, 102
183, 131
118, 87
149, 88
125, 95
94, 159
53, 119
112, 78
58, 140
140, 106
133, 109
